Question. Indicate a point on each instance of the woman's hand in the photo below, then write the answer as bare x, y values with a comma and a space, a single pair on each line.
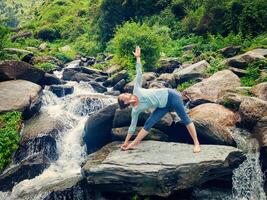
124, 145
137, 52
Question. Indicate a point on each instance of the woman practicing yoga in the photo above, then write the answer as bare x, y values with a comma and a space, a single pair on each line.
162, 100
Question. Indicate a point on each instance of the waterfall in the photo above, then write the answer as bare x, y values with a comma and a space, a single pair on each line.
248, 179
66, 171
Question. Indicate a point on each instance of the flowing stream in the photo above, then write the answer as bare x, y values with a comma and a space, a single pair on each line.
66, 171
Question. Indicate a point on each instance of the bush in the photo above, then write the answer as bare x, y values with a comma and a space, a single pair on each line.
9, 137
127, 37
47, 66
185, 85
49, 34
86, 46
65, 56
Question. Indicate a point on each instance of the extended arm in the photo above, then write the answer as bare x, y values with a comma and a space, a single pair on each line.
138, 78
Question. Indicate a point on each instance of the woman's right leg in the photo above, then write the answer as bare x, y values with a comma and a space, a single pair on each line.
178, 105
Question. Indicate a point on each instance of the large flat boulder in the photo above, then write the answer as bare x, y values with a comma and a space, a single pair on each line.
20, 95
213, 120
209, 88
13, 70
158, 168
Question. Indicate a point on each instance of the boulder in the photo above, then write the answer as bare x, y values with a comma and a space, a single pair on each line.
159, 84
209, 88
113, 69
28, 58
81, 77
18, 51
98, 87
159, 168
195, 71
119, 86
168, 78
251, 110
230, 51
97, 129
154, 134
113, 93
12, 70
92, 71
50, 79
242, 61
61, 90
212, 121
50, 59
101, 78
260, 131
20, 95
260, 91
239, 72
69, 73
115, 78
167, 65
74, 64
146, 78
21, 34
189, 47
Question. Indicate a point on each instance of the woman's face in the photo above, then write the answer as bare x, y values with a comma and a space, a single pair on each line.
125, 97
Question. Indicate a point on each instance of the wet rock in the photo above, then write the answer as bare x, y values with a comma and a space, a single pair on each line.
98, 87
28, 58
242, 61
12, 70
20, 95
27, 169
260, 91
168, 65
154, 134
260, 131
61, 90
230, 51
101, 78
97, 129
116, 78
192, 72
68, 74
50, 79
113, 93
81, 77
92, 71
212, 121
119, 86
152, 170
209, 88
252, 110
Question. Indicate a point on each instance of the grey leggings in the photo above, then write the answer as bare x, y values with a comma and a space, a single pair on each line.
174, 102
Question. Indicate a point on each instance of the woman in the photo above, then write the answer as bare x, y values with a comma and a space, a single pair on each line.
163, 100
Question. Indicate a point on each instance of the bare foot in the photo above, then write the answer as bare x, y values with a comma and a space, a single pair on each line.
197, 148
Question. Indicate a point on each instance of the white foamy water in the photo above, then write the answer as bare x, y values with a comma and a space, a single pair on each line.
248, 179
73, 112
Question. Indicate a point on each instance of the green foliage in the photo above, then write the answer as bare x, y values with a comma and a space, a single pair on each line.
9, 137
46, 66
113, 13
254, 70
87, 46
185, 85
49, 34
130, 35
65, 56
215, 66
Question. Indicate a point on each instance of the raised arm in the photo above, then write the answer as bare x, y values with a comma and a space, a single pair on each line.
138, 67
138, 77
